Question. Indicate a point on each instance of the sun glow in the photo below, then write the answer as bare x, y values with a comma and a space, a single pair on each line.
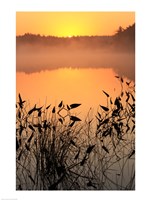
66, 24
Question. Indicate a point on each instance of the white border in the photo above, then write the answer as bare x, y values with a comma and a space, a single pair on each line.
8, 10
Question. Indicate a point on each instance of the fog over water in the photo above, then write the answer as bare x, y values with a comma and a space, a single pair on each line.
37, 53
82, 65
36, 58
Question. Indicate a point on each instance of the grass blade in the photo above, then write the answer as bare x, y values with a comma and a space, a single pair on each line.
104, 108
75, 105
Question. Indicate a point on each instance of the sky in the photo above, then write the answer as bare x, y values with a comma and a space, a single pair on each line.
67, 24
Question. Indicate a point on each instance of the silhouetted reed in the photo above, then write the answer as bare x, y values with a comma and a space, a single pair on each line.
56, 150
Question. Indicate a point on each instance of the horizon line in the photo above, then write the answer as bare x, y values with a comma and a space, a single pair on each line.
69, 36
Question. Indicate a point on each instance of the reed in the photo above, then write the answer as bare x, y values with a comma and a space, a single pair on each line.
56, 150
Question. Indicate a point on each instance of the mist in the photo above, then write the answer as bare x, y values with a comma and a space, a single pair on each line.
37, 58
35, 53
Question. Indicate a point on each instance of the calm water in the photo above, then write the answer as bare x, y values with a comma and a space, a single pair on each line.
70, 85
83, 86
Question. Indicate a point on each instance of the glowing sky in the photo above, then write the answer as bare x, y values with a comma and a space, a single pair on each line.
64, 24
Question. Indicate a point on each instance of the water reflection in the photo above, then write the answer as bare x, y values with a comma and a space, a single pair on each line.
70, 85
110, 165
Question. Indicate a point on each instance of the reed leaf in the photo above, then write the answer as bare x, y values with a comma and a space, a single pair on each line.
72, 123
32, 110
105, 93
75, 105
68, 107
83, 161
90, 148
132, 153
105, 149
21, 102
74, 118
61, 121
104, 108
128, 83
121, 79
32, 179
73, 143
31, 127
30, 138
60, 104
77, 155
48, 107
53, 110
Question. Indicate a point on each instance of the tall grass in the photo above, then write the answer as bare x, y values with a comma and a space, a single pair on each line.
56, 150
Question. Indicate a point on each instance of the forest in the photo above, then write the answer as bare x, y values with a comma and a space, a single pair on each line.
123, 39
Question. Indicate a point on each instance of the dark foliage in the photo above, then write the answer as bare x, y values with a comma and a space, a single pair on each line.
55, 152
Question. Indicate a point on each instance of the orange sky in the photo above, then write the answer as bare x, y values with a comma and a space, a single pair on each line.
64, 24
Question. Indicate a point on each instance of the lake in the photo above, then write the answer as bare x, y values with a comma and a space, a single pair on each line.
57, 145
72, 85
